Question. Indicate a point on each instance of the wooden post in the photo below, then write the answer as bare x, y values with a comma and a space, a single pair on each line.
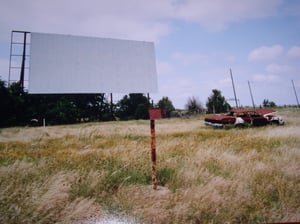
153, 154
153, 114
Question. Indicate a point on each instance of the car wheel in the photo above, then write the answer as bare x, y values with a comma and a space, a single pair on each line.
275, 122
239, 125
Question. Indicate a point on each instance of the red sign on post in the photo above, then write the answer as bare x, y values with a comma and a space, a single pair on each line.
155, 114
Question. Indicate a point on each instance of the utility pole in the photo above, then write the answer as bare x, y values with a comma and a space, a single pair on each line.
236, 103
251, 95
295, 94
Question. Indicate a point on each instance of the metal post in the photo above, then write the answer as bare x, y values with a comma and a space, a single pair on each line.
295, 94
150, 101
111, 105
236, 103
22, 73
148, 97
251, 95
10, 57
153, 154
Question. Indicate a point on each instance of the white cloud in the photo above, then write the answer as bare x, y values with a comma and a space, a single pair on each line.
224, 82
297, 83
131, 19
216, 15
189, 58
265, 78
276, 68
179, 88
164, 68
231, 58
294, 51
265, 53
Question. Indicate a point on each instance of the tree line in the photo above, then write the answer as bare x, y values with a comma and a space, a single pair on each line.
20, 108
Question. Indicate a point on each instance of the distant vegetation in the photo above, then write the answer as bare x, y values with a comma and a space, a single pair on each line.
216, 103
19, 108
194, 105
267, 103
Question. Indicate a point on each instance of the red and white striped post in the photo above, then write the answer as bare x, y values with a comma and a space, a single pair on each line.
153, 114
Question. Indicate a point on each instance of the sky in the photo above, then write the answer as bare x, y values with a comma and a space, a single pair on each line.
197, 42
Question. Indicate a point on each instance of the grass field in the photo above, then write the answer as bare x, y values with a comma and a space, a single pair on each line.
77, 173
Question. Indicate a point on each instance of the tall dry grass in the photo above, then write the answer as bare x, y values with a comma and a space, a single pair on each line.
78, 173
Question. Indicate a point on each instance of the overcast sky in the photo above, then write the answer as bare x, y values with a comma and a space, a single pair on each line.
196, 41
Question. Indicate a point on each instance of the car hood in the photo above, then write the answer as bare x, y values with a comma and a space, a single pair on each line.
218, 117
265, 111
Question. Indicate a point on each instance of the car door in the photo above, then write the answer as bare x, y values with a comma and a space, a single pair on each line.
257, 119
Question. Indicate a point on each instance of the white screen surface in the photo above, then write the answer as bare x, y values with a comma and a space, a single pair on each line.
74, 64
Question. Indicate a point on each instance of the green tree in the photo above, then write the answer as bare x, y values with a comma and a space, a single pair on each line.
141, 111
267, 103
166, 105
18, 104
194, 105
133, 106
216, 103
6, 105
19, 108
68, 108
93, 107
63, 112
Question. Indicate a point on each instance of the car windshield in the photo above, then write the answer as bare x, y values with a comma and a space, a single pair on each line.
254, 114
232, 113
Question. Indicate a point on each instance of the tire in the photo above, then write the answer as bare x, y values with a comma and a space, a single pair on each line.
239, 125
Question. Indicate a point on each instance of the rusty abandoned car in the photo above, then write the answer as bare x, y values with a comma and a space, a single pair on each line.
244, 118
